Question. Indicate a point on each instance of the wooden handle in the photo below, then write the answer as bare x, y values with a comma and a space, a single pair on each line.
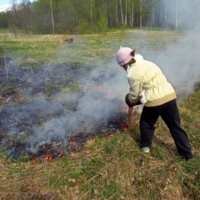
130, 122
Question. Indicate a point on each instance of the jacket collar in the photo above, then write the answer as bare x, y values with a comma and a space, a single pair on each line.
137, 58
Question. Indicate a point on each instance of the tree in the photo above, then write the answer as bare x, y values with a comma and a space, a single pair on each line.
25, 15
87, 16
122, 14
131, 13
117, 20
4, 19
65, 17
41, 17
177, 14
141, 17
14, 23
92, 12
52, 18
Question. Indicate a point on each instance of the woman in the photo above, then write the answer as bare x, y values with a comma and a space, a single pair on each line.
146, 78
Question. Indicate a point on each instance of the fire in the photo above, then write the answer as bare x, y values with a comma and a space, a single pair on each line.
110, 135
33, 160
60, 154
48, 157
73, 138
123, 125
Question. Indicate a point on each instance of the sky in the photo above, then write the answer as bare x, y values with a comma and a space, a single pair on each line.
5, 4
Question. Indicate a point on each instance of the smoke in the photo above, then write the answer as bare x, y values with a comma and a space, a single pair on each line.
180, 60
180, 63
58, 102
94, 104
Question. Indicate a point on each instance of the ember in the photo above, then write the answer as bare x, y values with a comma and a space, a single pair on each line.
110, 135
33, 160
73, 138
123, 125
48, 157
61, 154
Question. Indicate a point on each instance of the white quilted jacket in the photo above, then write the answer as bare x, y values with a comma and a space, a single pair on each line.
146, 77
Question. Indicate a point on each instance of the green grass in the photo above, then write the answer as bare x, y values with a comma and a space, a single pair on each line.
33, 50
106, 167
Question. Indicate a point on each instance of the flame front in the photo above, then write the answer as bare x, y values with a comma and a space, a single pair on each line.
123, 125
61, 154
73, 138
33, 161
48, 157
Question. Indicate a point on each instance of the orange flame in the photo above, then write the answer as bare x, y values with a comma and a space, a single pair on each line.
33, 161
73, 138
48, 157
123, 125
61, 154
110, 135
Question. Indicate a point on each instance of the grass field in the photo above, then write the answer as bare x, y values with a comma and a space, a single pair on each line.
106, 167
87, 49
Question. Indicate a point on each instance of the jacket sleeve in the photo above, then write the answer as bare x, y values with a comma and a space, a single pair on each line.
134, 90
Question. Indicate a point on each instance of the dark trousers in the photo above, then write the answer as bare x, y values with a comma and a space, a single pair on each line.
170, 115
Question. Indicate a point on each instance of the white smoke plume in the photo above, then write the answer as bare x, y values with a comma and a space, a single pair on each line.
180, 60
41, 120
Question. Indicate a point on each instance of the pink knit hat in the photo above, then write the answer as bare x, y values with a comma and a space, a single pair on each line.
123, 55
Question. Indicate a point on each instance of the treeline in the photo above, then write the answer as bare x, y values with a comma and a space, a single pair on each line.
89, 16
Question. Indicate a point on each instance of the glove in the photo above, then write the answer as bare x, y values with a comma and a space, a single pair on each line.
130, 104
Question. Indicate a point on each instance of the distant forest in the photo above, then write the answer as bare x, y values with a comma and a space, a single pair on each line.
93, 16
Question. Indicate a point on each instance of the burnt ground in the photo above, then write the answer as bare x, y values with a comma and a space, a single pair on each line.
42, 108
